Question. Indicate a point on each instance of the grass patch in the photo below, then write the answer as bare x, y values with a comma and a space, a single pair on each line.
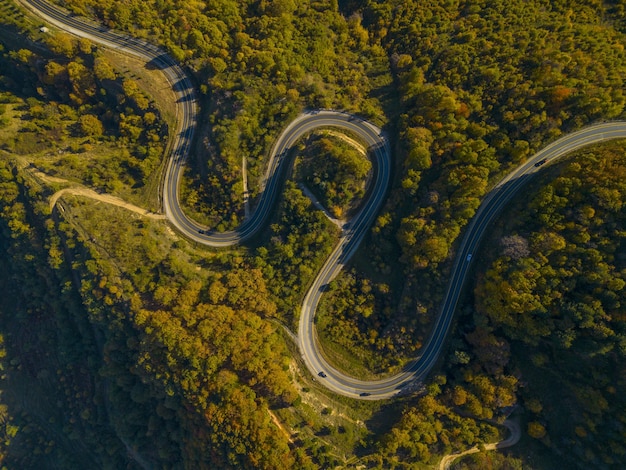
9, 121
135, 244
350, 360
14, 14
321, 418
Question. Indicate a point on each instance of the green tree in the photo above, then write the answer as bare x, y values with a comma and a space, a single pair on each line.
90, 125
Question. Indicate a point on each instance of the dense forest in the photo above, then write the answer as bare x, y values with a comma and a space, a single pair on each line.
123, 345
554, 291
544, 330
482, 84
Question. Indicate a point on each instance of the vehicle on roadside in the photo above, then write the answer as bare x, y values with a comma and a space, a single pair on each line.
364, 394
322, 374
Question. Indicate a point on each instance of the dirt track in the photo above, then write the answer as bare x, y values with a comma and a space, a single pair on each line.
85, 192
106, 198
514, 436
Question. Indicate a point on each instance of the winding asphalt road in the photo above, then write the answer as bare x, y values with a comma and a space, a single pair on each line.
354, 231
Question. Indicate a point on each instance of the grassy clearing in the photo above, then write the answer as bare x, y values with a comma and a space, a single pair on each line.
351, 361
14, 14
320, 418
9, 121
132, 241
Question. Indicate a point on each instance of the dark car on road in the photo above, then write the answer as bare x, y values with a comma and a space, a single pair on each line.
322, 375
541, 162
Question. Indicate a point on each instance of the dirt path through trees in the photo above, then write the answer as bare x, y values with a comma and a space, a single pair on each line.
514, 437
86, 192
107, 198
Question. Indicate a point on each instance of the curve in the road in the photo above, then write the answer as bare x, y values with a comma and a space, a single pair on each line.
490, 207
305, 123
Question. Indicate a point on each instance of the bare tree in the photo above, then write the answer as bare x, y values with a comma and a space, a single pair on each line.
514, 246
